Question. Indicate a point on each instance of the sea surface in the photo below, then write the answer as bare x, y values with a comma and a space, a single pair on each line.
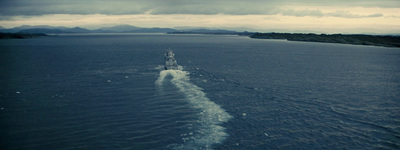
109, 91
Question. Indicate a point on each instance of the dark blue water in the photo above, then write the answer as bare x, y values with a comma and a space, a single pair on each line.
108, 91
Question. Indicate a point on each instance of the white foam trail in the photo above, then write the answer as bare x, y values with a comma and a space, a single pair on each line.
211, 116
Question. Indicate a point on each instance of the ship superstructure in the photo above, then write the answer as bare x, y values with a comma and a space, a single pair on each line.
170, 62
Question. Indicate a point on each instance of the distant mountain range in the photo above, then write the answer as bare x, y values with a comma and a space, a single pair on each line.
114, 29
357, 39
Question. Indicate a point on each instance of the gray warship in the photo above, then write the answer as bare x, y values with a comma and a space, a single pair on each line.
170, 62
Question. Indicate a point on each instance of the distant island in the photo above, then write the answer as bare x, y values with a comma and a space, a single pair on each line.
20, 35
356, 39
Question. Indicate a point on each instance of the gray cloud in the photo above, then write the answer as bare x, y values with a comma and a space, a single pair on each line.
302, 13
319, 13
119, 7
43, 7
207, 7
346, 14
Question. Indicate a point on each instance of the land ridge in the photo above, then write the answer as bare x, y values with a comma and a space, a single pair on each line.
355, 39
20, 35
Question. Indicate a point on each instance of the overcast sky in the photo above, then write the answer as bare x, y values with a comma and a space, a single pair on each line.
327, 16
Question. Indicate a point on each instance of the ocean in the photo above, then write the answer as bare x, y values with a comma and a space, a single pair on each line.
109, 91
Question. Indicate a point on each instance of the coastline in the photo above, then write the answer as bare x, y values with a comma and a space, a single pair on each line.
354, 39
20, 35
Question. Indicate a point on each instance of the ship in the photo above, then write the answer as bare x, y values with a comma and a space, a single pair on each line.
170, 62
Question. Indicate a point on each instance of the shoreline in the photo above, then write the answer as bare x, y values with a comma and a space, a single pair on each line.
353, 39
21, 35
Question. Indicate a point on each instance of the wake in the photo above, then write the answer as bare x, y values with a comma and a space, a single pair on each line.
211, 115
